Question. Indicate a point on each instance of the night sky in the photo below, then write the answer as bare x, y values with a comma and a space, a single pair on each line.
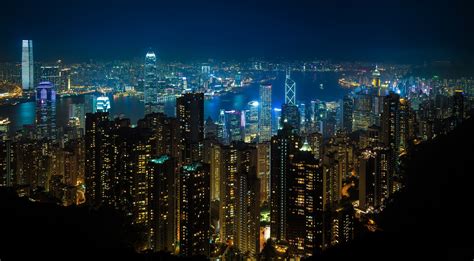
405, 31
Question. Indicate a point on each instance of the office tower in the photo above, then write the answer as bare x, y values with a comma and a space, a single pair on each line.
190, 114
362, 115
46, 110
290, 115
391, 127
347, 110
302, 112
102, 104
161, 180
52, 74
234, 125
27, 65
283, 148
151, 83
222, 134
290, 89
251, 122
305, 208
263, 171
265, 114
65, 80
376, 78
276, 120
194, 210
406, 124
77, 111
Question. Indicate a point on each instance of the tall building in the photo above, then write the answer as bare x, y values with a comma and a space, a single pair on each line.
376, 78
190, 114
46, 110
102, 104
263, 171
7, 160
458, 106
347, 110
194, 210
362, 115
290, 89
161, 180
52, 74
391, 127
290, 115
27, 65
234, 125
305, 204
265, 114
251, 122
151, 83
283, 148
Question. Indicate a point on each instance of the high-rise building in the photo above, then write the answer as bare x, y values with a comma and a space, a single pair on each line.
190, 114
7, 157
347, 110
102, 104
362, 115
161, 180
263, 171
194, 210
27, 65
234, 125
458, 106
251, 122
305, 204
290, 115
46, 110
283, 148
290, 89
391, 127
265, 113
52, 74
151, 83
376, 78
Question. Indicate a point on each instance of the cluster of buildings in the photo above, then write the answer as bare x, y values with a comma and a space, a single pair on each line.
298, 180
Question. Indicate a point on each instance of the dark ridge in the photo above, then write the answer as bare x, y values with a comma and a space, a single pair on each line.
432, 217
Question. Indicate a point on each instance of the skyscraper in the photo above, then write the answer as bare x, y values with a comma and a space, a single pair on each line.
151, 83
46, 110
27, 65
291, 115
305, 204
290, 89
347, 110
265, 114
283, 148
251, 122
194, 210
190, 114
161, 181
51, 73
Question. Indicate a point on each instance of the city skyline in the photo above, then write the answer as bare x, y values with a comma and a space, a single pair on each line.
244, 130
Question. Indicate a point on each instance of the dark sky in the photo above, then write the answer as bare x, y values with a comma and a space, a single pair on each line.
186, 29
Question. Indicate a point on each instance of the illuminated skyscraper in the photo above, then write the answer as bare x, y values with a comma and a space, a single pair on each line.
51, 73
27, 65
46, 110
151, 83
251, 122
391, 127
102, 104
190, 114
305, 204
234, 125
161, 181
263, 170
283, 148
290, 89
194, 210
290, 115
347, 110
376, 78
265, 114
